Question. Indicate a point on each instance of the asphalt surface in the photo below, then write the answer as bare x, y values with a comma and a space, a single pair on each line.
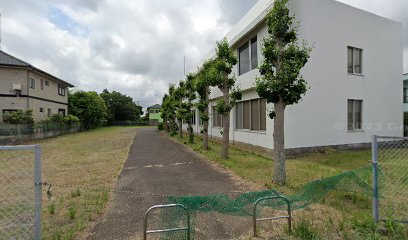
158, 165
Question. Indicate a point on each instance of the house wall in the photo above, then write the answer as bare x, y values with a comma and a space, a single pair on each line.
320, 119
46, 98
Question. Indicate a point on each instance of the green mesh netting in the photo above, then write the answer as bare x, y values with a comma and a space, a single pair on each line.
355, 181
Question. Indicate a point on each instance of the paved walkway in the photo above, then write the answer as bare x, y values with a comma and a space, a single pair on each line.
158, 165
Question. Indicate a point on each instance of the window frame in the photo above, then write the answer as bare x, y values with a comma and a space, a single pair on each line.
63, 111
262, 129
355, 126
32, 83
248, 45
405, 94
215, 117
61, 90
353, 60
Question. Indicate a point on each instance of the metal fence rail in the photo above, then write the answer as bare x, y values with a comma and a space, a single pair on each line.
20, 192
390, 178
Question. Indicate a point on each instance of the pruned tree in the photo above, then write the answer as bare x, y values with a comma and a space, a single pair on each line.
280, 82
190, 96
168, 111
202, 85
224, 62
179, 96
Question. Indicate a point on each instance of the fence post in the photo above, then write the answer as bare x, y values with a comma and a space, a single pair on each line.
38, 193
375, 177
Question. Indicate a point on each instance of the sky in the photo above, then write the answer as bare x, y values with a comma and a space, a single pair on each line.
133, 46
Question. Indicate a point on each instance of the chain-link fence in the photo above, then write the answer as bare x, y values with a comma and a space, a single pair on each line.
390, 178
20, 192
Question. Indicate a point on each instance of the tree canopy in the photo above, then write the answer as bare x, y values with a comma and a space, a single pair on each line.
120, 107
89, 107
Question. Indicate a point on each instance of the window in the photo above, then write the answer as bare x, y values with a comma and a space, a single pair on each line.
61, 111
41, 110
248, 56
217, 118
32, 83
61, 90
405, 94
251, 115
354, 60
49, 112
42, 84
354, 114
193, 117
47, 83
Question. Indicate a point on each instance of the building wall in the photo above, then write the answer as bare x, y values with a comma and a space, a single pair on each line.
320, 119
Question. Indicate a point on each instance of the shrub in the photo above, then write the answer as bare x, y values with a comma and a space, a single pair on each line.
19, 116
160, 126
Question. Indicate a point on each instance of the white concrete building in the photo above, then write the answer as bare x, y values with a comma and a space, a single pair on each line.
354, 75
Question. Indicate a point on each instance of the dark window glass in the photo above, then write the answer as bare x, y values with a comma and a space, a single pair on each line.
263, 114
255, 115
32, 83
246, 115
350, 60
244, 59
354, 114
238, 116
254, 53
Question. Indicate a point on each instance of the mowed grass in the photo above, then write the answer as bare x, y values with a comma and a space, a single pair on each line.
339, 215
88, 159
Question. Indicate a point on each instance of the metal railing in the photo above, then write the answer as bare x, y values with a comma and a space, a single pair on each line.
255, 219
176, 229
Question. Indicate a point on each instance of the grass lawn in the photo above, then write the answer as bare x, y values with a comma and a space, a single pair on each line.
91, 159
339, 216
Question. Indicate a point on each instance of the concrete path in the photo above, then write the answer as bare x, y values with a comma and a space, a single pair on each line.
158, 165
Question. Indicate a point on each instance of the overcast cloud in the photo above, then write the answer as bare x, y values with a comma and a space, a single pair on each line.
135, 47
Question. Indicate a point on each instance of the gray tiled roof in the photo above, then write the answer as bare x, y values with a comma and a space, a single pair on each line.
156, 106
7, 59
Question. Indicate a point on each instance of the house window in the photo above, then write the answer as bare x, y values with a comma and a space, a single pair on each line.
32, 83
47, 83
354, 60
41, 110
61, 90
217, 118
42, 84
248, 56
251, 115
61, 111
193, 117
405, 95
49, 112
354, 114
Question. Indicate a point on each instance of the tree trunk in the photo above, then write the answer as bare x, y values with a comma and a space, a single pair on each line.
191, 133
279, 176
225, 126
166, 126
205, 131
181, 128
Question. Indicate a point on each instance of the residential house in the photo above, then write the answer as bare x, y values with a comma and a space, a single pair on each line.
354, 74
155, 114
25, 87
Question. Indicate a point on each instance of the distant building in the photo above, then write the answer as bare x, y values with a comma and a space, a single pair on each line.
25, 87
154, 113
405, 106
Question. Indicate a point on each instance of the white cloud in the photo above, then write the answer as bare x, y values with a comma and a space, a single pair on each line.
135, 47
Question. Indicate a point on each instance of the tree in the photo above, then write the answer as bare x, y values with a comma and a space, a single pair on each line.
223, 64
121, 107
168, 111
280, 82
179, 96
19, 116
202, 86
89, 107
190, 96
